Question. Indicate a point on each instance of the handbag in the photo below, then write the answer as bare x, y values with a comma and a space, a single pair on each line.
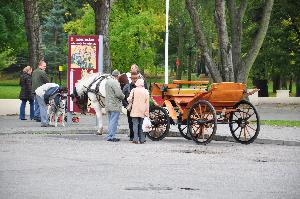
129, 106
146, 125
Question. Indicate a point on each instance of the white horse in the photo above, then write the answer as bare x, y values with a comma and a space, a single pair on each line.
92, 86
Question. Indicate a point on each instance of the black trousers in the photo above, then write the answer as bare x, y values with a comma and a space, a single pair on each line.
131, 135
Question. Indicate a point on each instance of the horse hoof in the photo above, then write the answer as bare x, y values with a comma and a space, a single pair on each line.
100, 132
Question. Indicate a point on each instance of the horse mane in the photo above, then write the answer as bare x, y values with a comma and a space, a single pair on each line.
85, 82
89, 78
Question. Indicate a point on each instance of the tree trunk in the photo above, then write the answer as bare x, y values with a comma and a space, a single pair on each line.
180, 50
198, 64
276, 83
33, 32
189, 65
297, 86
241, 67
284, 83
291, 84
236, 16
244, 68
225, 47
201, 41
261, 84
102, 12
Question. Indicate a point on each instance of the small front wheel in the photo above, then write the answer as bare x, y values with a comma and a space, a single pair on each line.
160, 123
202, 122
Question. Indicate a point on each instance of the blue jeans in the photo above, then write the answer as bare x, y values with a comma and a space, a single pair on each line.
43, 110
113, 119
139, 135
22, 109
37, 114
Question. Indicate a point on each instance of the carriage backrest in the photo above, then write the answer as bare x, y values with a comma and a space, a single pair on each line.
225, 93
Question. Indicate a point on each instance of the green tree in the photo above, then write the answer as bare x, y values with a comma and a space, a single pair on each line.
54, 36
279, 57
33, 31
182, 40
84, 24
12, 32
233, 66
136, 29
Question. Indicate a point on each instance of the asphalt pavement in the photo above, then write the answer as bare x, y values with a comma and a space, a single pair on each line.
87, 125
73, 162
80, 166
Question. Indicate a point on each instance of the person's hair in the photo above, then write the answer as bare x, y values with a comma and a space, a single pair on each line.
134, 73
41, 61
136, 66
63, 89
27, 69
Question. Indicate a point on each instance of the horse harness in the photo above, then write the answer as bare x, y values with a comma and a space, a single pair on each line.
98, 95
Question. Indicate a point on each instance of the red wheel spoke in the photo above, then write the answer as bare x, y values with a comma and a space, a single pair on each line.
251, 128
248, 132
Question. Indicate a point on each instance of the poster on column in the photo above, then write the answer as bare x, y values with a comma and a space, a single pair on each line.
82, 60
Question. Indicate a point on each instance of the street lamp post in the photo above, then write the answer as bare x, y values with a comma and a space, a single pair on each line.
166, 43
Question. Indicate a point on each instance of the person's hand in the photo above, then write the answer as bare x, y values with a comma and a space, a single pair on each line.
46, 102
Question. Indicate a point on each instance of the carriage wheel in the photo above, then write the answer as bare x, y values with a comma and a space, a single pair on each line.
184, 131
160, 123
202, 122
244, 122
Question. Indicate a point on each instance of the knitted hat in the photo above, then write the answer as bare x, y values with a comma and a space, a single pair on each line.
115, 73
139, 83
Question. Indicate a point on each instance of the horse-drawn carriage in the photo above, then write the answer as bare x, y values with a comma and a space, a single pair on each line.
197, 110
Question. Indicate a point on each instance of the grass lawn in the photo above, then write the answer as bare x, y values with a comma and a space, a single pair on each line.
9, 92
9, 85
280, 123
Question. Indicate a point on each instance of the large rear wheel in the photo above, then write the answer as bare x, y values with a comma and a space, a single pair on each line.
202, 122
160, 123
183, 129
244, 122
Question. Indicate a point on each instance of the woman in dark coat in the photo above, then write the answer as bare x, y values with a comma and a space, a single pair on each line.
26, 93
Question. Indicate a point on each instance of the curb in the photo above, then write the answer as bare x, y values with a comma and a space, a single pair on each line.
257, 140
171, 134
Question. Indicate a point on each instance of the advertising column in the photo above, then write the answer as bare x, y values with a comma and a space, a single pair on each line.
82, 60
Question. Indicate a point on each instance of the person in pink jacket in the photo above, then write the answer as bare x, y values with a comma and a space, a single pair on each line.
139, 97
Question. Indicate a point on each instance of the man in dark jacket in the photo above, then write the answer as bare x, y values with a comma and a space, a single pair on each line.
126, 91
39, 77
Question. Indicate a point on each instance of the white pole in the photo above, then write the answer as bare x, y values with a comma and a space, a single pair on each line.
166, 43
100, 54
